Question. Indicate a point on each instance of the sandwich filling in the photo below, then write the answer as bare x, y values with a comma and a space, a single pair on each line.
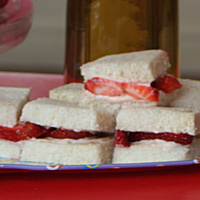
28, 130
137, 91
22, 131
125, 138
72, 134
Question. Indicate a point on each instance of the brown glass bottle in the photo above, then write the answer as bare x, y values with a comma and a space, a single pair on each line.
96, 28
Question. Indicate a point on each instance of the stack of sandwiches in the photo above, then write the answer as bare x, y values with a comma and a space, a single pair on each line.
128, 110
117, 81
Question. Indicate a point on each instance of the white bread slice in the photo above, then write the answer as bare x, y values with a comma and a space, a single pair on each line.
141, 66
58, 114
156, 151
88, 99
106, 107
69, 93
159, 119
112, 107
12, 100
68, 151
188, 96
10, 150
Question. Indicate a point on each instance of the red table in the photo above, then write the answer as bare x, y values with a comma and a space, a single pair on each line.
157, 183
179, 183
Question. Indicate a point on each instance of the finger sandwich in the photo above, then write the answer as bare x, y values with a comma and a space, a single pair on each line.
77, 135
12, 100
137, 77
156, 134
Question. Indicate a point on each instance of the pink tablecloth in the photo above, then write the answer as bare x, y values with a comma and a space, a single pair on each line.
40, 83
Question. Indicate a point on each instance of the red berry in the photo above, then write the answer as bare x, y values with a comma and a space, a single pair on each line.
124, 138
181, 138
63, 133
3, 3
141, 92
166, 83
22, 131
121, 138
101, 86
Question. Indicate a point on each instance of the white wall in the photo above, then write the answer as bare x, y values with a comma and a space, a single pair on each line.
43, 50
190, 38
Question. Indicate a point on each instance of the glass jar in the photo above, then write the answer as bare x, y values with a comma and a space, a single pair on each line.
96, 28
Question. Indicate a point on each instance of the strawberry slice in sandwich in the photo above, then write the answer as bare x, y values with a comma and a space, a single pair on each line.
156, 134
77, 135
138, 77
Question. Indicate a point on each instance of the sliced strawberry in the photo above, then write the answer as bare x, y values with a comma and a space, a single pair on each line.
166, 83
181, 138
125, 138
141, 92
100, 86
61, 134
121, 139
105, 87
22, 131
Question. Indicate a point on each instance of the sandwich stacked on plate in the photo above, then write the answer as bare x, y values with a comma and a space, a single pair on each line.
51, 131
12, 132
139, 78
76, 135
156, 134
